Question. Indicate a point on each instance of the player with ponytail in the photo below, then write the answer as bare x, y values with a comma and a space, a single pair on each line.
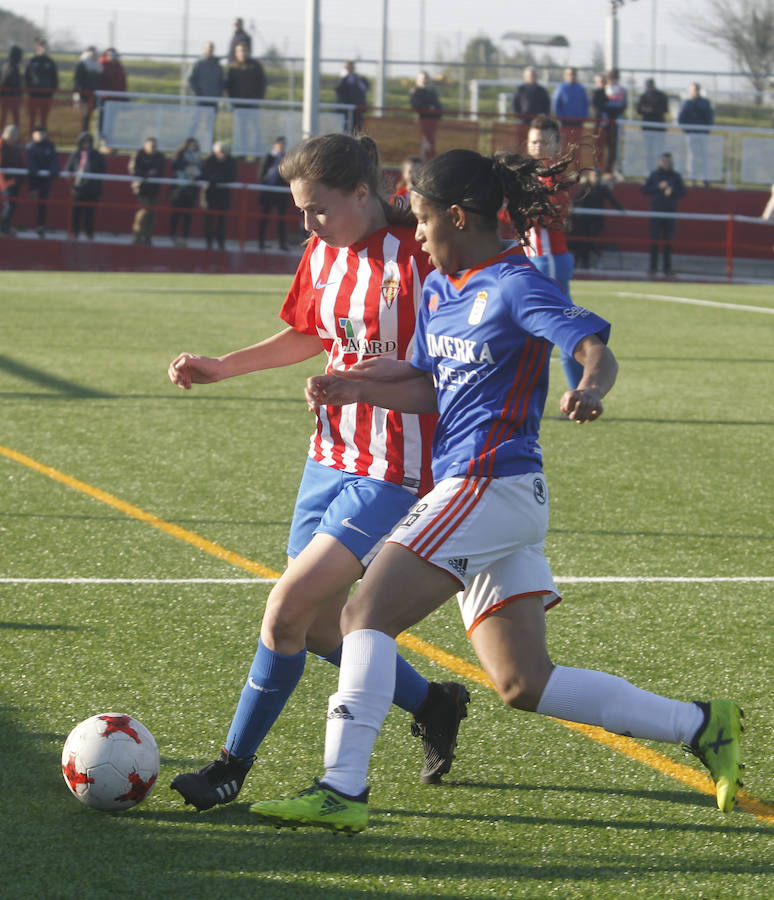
354, 297
485, 332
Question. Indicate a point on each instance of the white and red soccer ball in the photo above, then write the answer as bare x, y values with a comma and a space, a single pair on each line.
110, 762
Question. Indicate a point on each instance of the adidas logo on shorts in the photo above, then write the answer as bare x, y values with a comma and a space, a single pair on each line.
340, 712
460, 564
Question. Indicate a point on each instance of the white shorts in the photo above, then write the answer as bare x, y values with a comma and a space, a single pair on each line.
489, 534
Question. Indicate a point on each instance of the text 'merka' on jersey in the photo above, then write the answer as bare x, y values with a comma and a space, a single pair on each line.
486, 335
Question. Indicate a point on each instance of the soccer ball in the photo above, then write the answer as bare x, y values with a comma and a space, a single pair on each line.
110, 761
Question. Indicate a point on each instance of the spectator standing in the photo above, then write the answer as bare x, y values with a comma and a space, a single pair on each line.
11, 88
570, 101
598, 98
112, 78
206, 78
595, 193
353, 89
652, 107
41, 78
697, 115
246, 80
112, 75
616, 102
11, 157
219, 170
42, 168
147, 162
531, 99
86, 80
187, 169
85, 160
428, 108
239, 36
665, 187
273, 202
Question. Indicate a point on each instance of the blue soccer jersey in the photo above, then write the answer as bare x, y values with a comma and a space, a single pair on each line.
486, 336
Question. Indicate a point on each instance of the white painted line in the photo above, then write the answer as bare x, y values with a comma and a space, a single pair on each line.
567, 579
138, 580
658, 579
692, 301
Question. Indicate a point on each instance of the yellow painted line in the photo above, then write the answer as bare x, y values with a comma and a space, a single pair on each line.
692, 777
136, 513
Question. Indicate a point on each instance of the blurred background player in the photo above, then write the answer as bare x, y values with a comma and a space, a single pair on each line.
547, 243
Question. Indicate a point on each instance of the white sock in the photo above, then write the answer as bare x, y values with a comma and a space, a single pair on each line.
357, 710
596, 698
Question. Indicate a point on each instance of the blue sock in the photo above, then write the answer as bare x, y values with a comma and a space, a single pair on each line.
273, 678
573, 371
410, 686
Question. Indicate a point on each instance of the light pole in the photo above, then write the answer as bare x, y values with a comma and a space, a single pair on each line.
611, 35
310, 122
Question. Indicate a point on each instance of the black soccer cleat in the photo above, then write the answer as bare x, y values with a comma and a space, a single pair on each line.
218, 782
437, 723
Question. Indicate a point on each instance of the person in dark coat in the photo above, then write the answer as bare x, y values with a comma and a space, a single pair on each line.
652, 106
594, 193
42, 168
11, 157
206, 78
112, 78
219, 170
664, 187
187, 169
273, 202
147, 162
245, 80
352, 89
239, 36
41, 78
86, 79
426, 104
11, 88
85, 160
531, 99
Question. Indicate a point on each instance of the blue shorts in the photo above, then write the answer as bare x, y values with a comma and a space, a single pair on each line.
358, 511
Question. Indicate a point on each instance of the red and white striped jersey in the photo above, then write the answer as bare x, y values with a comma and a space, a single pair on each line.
547, 241
362, 301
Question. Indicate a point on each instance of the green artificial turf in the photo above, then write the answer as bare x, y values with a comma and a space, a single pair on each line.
675, 480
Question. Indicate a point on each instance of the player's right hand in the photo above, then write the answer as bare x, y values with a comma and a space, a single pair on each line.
330, 390
188, 369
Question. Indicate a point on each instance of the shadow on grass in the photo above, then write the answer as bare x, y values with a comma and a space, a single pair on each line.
46, 379
38, 626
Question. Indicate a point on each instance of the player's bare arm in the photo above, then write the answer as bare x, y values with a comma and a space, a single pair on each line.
584, 403
414, 394
282, 349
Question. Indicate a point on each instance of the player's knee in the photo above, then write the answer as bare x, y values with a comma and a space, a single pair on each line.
523, 690
284, 619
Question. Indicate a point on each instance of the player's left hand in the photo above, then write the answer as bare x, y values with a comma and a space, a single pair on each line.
581, 405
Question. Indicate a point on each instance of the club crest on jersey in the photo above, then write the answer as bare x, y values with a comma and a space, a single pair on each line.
390, 283
433, 304
477, 310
